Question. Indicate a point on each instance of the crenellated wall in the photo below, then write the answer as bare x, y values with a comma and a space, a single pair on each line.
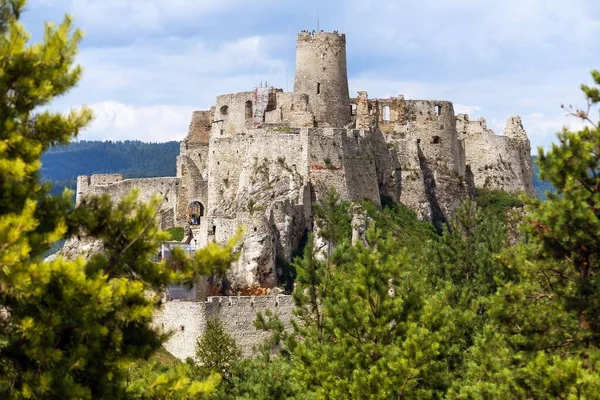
187, 320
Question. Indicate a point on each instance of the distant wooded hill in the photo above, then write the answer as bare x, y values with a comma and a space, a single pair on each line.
61, 165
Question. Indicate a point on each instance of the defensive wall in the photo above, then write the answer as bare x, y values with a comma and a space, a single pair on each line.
342, 159
187, 320
245, 168
499, 162
117, 187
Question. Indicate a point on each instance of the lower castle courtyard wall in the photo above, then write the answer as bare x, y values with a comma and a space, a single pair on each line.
187, 320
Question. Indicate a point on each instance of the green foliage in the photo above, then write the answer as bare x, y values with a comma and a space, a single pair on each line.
543, 335
497, 202
177, 233
217, 351
71, 329
368, 330
401, 222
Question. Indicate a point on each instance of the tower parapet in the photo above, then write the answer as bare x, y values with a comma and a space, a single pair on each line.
321, 74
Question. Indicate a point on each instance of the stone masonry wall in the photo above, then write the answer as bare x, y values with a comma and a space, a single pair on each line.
499, 162
344, 160
187, 320
147, 189
247, 168
321, 74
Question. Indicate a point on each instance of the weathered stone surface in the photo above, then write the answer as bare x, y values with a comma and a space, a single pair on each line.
74, 247
500, 162
187, 320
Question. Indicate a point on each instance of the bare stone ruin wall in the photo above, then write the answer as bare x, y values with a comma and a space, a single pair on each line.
118, 188
230, 116
187, 320
343, 160
235, 162
496, 161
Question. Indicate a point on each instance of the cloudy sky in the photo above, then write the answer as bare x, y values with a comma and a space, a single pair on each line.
149, 63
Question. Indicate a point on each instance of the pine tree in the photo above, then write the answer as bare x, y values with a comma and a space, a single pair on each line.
69, 329
373, 333
217, 351
543, 339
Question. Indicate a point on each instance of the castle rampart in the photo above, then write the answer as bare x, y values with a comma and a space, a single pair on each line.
147, 188
187, 320
499, 162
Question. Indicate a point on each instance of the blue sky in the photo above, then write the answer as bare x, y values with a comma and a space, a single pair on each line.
149, 63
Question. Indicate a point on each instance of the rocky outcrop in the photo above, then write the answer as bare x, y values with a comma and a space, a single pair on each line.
74, 247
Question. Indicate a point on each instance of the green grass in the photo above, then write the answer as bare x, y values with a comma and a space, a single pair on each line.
176, 233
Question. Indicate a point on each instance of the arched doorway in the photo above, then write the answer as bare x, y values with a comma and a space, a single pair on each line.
195, 210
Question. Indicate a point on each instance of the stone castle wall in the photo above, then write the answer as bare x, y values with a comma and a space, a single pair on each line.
187, 320
500, 162
342, 159
117, 187
246, 168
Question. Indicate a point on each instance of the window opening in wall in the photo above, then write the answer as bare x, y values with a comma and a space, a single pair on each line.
248, 109
214, 229
221, 132
353, 109
436, 140
224, 110
438, 110
386, 113
318, 88
195, 210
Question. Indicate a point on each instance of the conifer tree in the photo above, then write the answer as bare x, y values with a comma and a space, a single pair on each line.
69, 329
371, 332
543, 339
217, 351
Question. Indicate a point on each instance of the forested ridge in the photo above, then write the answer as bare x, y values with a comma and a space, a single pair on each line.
134, 159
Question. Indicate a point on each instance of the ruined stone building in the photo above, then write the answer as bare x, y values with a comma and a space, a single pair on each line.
262, 158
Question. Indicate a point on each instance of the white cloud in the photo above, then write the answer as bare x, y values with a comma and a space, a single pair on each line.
469, 110
158, 123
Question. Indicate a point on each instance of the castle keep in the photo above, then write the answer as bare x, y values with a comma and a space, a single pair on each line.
263, 158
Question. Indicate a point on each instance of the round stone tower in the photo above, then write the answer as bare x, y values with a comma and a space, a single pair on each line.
321, 74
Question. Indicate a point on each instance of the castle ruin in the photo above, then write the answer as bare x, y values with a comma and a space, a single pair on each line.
263, 158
